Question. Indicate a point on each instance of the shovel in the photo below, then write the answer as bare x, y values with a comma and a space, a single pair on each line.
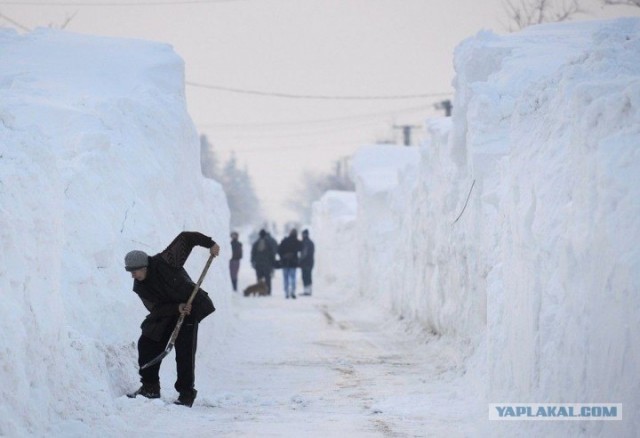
176, 330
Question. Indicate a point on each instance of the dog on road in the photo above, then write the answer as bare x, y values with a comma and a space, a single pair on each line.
257, 290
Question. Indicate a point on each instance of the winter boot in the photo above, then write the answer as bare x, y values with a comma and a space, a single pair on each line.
186, 398
148, 390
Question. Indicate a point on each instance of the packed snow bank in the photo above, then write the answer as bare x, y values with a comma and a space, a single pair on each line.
334, 216
381, 172
563, 300
98, 156
408, 251
517, 228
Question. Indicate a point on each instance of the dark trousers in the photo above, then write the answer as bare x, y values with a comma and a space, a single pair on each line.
263, 272
185, 348
306, 276
234, 267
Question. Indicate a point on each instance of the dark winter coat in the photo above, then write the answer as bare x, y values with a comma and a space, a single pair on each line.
288, 252
262, 255
273, 242
307, 253
236, 250
167, 285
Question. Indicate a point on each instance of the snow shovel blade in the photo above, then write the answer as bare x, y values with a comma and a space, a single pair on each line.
176, 330
158, 358
168, 348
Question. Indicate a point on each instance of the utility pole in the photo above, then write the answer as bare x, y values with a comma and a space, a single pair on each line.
446, 106
406, 132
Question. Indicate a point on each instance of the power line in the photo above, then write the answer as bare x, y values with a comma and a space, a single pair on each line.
299, 147
315, 132
317, 96
319, 131
315, 121
150, 3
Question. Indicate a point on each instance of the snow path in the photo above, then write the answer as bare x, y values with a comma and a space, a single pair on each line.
312, 367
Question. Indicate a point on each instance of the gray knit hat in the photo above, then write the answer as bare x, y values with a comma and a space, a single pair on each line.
136, 260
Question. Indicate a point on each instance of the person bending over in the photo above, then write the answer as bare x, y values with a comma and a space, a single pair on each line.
164, 287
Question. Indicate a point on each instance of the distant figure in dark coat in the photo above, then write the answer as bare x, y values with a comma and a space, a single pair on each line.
274, 248
262, 258
288, 252
234, 263
306, 261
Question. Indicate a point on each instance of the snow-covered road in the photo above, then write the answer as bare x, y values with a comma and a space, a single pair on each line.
315, 367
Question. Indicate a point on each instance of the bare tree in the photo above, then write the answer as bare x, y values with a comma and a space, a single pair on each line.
622, 2
244, 204
209, 162
237, 184
523, 13
14, 22
315, 184
64, 23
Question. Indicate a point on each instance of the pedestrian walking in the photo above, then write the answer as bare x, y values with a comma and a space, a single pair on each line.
234, 263
306, 262
262, 259
288, 252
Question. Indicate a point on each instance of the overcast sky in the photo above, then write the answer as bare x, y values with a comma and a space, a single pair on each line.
329, 48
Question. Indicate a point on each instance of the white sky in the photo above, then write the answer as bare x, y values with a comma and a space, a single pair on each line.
303, 47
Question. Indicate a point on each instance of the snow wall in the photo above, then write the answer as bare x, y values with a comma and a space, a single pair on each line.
516, 227
98, 156
333, 224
